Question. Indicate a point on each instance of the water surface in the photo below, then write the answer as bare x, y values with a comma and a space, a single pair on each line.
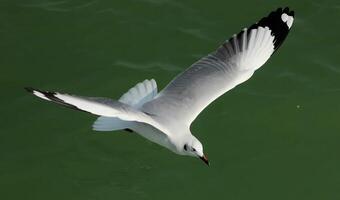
274, 137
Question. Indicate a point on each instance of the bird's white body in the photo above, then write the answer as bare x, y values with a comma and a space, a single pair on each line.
165, 118
155, 135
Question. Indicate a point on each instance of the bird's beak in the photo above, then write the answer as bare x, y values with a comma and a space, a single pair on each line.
205, 159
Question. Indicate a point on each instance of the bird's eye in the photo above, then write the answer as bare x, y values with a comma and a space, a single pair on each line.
193, 149
185, 147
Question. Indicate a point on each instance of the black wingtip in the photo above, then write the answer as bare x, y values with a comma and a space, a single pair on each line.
277, 25
287, 11
50, 96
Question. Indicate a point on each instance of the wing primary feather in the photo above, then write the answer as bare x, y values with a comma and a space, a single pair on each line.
51, 96
244, 40
238, 58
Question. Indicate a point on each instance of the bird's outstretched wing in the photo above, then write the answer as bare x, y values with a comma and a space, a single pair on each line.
232, 63
97, 106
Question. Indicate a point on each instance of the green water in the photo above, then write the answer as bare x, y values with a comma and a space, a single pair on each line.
275, 137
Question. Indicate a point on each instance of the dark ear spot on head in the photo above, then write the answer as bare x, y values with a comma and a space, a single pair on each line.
185, 147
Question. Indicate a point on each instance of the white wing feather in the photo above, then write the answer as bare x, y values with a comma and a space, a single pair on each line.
97, 106
136, 96
141, 93
231, 64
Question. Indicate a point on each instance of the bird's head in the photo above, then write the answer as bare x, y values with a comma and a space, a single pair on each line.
193, 147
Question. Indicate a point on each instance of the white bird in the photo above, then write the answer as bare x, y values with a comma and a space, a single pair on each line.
165, 117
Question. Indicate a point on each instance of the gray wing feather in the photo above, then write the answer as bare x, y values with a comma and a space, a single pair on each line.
232, 63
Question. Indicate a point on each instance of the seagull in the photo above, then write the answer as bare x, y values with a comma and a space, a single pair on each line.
165, 117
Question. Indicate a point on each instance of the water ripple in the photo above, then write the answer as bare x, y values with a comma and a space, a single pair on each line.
59, 6
164, 2
326, 64
195, 33
148, 66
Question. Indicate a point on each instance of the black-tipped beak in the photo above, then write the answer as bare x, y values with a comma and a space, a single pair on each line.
205, 160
